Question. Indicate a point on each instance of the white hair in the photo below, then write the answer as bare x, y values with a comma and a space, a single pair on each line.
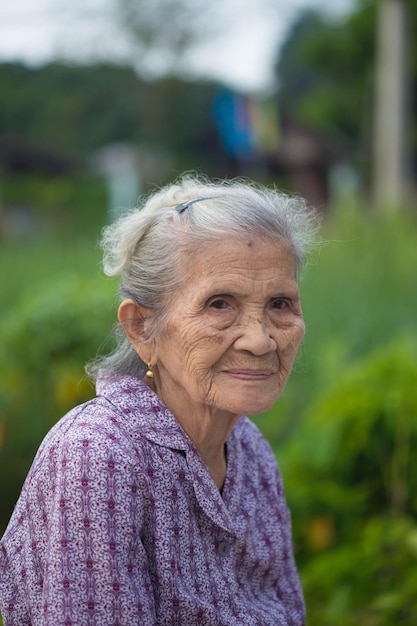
145, 246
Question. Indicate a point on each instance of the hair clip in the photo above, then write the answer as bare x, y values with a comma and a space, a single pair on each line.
184, 205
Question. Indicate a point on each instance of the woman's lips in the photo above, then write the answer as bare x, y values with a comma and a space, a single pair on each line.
249, 374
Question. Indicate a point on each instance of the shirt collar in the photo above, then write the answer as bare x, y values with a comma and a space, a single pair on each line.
144, 413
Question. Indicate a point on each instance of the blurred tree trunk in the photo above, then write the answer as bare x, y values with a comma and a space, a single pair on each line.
389, 166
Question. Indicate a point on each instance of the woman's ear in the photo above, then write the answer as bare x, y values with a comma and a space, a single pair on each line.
132, 317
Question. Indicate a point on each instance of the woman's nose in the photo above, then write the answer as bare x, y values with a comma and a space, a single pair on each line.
255, 337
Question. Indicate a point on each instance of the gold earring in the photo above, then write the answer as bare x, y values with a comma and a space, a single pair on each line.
149, 372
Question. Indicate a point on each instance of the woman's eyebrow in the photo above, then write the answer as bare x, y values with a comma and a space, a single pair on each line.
293, 295
284, 293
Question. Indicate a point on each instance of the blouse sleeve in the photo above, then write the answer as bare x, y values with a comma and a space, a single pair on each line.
72, 553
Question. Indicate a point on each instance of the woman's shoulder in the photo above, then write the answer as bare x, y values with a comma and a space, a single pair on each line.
251, 436
96, 426
256, 456
254, 444
95, 419
105, 418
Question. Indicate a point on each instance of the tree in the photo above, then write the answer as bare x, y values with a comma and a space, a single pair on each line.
79, 109
161, 31
326, 76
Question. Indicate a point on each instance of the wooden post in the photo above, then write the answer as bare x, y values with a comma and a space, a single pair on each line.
389, 138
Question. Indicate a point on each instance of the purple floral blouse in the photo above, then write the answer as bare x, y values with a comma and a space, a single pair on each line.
120, 523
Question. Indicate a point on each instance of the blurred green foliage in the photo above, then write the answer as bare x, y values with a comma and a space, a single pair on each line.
77, 109
326, 74
352, 486
58, 205
56, 315
343, 431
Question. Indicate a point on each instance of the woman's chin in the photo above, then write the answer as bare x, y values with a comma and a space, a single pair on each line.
249, 406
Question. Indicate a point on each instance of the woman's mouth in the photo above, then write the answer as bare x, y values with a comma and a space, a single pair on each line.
244, 374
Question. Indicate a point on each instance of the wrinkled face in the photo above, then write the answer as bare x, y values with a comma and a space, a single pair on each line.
233, 331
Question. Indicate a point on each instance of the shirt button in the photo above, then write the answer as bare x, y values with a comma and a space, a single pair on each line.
224, 548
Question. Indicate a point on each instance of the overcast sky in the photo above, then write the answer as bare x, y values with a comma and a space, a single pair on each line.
241, 54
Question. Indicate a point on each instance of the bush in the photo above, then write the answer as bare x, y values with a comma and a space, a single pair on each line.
44, 344
352, 486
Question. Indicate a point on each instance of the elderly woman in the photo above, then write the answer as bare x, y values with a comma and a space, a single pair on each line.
157, 502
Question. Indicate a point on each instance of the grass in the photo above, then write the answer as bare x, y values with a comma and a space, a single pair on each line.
28, 266
359, 293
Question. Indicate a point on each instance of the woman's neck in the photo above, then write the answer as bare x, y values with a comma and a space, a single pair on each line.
208, 428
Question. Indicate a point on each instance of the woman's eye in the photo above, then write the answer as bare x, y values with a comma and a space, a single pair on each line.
280, 303
219, 303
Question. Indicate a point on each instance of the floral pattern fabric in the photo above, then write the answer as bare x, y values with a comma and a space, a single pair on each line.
120, 523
